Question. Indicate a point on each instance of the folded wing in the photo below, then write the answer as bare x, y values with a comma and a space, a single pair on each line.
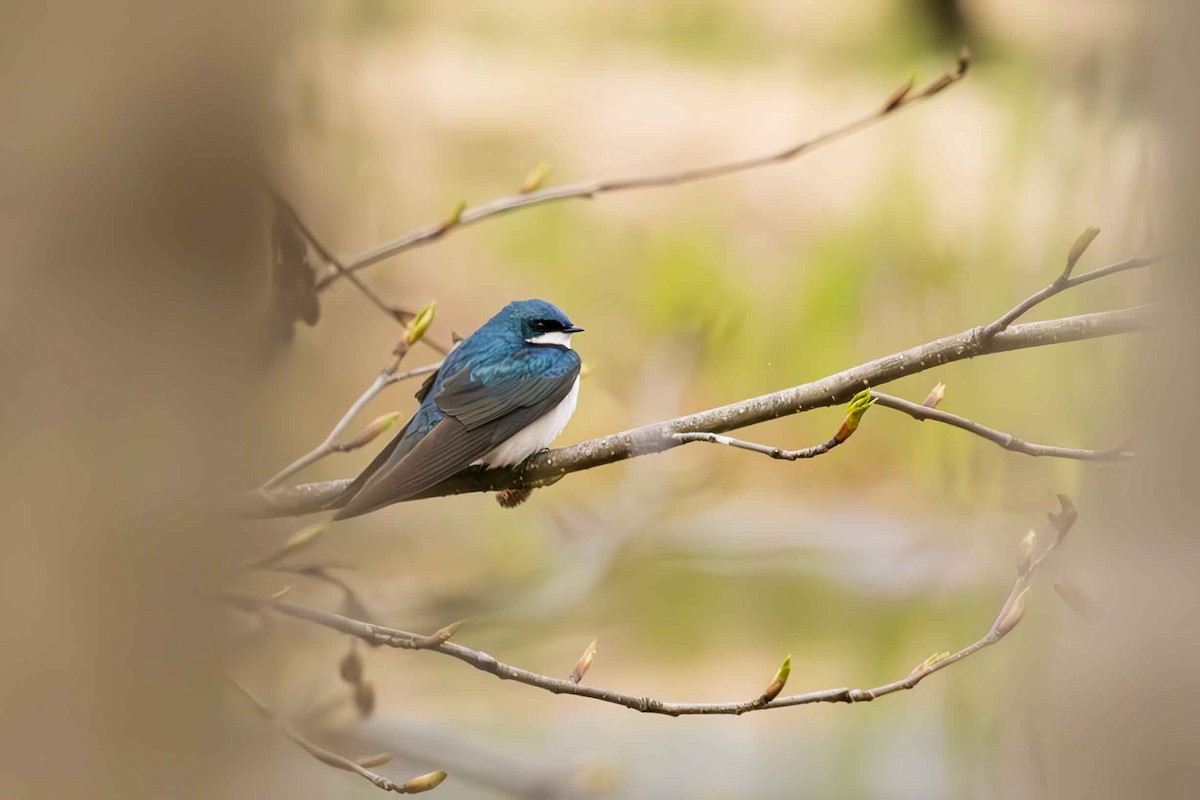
484, 407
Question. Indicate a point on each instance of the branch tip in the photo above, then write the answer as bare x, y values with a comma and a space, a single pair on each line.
935, 396
369, 432
1082, 243
536, 177
454, 219
778, 682
420, 323
422, 783
583, 664
859, 405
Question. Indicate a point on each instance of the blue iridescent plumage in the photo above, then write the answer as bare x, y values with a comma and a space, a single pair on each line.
514, 371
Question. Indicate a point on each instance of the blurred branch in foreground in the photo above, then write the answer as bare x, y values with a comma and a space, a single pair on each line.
531, 195
1011, 613
547, 468
421, 783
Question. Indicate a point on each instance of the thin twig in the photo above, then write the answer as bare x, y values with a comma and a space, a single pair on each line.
422, 783
1063, 282
547, 468
330, 444
401, 315
858, 406
1005, 440
590, 189
1010, 615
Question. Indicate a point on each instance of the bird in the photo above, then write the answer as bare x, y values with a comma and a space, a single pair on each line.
504, 393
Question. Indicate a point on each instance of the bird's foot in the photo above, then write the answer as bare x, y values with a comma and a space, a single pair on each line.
511, 498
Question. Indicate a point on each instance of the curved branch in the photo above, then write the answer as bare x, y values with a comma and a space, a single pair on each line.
422, 783
1005, 440
1010, 615
903, 97
549, 467
329, 444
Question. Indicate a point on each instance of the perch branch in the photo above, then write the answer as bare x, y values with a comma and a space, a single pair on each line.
422, 783
462, 216
1011, 613
549, 467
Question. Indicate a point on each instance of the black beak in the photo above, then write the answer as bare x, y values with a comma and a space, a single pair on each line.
572, 329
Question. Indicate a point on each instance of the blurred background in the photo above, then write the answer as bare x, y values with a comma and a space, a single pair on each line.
144, 390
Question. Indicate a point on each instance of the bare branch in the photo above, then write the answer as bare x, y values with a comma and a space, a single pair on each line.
1063, 282
858, 406
422, 783
590, 189
330, 444
1005, 440
401, 314
547, 468
1008, 618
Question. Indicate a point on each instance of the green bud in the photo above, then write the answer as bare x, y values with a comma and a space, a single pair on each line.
536, 177
455, 216
373, 429
585, 661
422, 783
854, 414
420, 323
1080, 247
935, 395
781, 677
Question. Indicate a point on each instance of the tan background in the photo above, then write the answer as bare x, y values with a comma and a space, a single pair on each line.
138, 388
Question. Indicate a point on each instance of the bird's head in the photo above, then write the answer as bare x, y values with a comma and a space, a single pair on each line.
539, 323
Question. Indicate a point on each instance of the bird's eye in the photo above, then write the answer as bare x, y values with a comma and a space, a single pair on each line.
546, 325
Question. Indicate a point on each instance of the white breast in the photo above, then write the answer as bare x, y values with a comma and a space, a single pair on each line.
536, 436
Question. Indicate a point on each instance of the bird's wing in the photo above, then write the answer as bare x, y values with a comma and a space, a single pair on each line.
383, 456
480, 415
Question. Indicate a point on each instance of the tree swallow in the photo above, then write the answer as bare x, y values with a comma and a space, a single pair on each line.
502, 395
